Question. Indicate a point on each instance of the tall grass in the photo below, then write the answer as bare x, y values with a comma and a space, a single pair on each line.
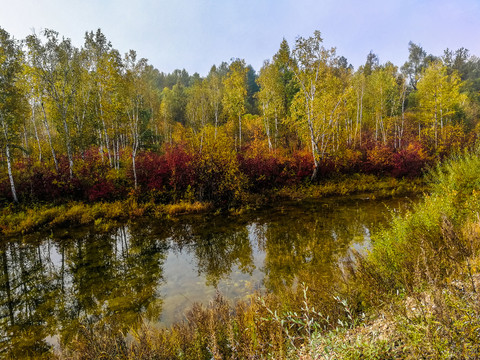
434, 241
421, 275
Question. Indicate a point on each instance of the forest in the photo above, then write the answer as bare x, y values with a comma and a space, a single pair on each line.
89, 124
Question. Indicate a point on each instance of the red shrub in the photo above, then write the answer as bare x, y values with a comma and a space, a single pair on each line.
379, 160
269, 170
172, 172
180, 164
153, 172
301, 165
263, 170
102, 190
409, 162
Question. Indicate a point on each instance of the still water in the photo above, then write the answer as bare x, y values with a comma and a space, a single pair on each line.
52, 282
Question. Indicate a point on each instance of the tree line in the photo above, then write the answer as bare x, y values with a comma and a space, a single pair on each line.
61, 106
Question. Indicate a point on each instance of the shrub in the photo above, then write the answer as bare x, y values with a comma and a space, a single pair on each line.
301, 165
379, 160
153, 172
218, 176
349, 161
409, 162
263, 170
428, 244
180, 164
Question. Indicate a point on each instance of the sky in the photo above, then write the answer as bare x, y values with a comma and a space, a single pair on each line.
196, 34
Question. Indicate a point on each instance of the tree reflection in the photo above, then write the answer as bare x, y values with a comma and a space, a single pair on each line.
51, 287
29, 291
217, 244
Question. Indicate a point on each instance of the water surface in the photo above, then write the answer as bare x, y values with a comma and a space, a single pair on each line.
52, 282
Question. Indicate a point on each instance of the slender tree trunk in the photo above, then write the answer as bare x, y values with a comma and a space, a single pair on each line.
118, 154
442, 133
67, 142
240, 131
100, 139
361, 117
435, 124
216, 122
10, 175
107, 140
114, 148
267, 125
63, 268
25, 139
134, 126
400, 133
9, 160
357, 122
276, 129
134, 154
314, 153
45, 123
36, 134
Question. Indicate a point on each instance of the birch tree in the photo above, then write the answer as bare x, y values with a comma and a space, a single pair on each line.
56, 65
310, 64
235, 93
215, 87
271, 97
439, 97
12, 100
134, 89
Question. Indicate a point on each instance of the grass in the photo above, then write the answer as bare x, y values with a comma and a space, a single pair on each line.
419, 283
27, 220
354, 184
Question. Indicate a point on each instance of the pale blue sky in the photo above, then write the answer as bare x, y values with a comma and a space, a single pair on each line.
195, 34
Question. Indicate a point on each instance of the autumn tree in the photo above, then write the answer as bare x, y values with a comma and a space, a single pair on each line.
133, 100
215, 93
359, 81
318, 99
235, 93
439, 97
12, 99
104, 65
418, 60
56, 66
271, 98
384, 99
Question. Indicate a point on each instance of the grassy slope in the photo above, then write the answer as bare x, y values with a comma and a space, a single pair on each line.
419, 284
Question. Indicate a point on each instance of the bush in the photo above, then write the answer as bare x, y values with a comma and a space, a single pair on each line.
428, 244
409, 162
379, 160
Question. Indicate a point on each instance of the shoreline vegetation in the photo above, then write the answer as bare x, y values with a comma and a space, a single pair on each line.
22, 220
414, 294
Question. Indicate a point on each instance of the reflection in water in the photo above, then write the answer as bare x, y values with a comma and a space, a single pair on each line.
51, 284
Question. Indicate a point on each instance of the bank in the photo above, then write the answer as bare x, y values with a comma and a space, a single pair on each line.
27, 218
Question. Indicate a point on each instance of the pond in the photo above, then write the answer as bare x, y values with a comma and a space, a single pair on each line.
52, 282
